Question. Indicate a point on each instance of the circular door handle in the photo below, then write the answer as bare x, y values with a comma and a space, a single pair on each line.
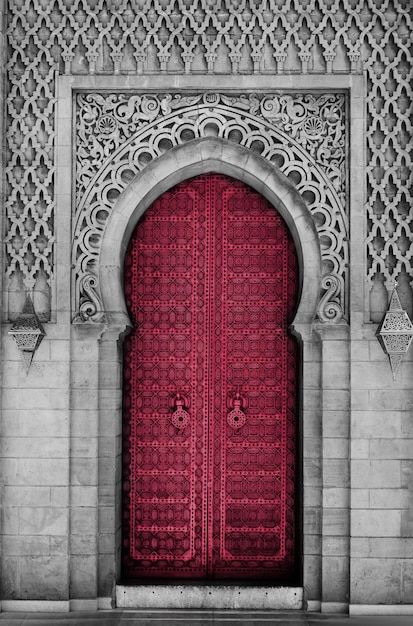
180, 417
236, 417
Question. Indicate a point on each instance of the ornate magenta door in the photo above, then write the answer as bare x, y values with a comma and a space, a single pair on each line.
210, 388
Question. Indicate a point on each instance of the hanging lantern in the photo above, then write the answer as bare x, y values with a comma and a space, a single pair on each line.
27, 332
395, 333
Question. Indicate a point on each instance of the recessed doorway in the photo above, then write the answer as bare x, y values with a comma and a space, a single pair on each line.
210, 389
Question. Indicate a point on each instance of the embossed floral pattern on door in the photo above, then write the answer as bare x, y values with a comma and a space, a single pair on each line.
210, 388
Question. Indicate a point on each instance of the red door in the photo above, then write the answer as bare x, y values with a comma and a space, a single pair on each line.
210, 388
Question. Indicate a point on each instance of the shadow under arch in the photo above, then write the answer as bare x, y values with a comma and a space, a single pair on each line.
185, 161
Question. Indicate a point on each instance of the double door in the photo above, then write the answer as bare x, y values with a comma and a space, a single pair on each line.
210, 388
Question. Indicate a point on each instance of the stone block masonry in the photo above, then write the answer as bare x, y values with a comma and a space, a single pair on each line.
107, 104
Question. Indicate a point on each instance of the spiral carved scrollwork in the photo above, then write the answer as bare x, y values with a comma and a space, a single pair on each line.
90, 309
329, 309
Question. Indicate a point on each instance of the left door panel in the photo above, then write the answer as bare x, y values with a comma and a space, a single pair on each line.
163, 369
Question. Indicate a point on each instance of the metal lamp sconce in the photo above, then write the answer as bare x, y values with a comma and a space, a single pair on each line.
27, 332
395, 332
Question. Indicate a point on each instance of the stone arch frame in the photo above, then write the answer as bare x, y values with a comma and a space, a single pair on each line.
180, 163
117, 143
183, 162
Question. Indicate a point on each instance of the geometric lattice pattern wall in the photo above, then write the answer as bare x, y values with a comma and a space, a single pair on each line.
205, 36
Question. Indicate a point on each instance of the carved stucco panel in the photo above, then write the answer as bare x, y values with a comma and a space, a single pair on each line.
302, 135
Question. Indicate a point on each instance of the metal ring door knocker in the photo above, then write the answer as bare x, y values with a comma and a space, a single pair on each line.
180, 417
236, 418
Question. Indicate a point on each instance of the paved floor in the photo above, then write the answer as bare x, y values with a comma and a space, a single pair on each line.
196, 618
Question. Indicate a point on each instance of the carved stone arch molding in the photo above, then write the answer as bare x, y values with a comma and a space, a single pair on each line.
290, 148
181, 163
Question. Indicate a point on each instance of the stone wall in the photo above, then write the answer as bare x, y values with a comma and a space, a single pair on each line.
60, 428
381, 475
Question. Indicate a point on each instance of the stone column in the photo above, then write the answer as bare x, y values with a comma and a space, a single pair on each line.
309, 432
110, 461
84, 426
335, 523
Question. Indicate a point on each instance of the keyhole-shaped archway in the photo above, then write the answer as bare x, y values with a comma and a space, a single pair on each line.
210, 387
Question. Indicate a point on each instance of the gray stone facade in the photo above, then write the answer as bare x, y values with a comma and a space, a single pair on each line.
95, 98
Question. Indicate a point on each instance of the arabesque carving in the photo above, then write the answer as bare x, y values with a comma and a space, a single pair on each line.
395, 332
136, 37
316, 122
119, 134
28, 332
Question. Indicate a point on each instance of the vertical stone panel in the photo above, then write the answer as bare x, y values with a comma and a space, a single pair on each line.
381, 469
35, 469
335, 467
110, 460
311, 427
84, 462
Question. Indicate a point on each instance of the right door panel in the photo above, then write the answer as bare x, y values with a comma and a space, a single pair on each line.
253, 388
